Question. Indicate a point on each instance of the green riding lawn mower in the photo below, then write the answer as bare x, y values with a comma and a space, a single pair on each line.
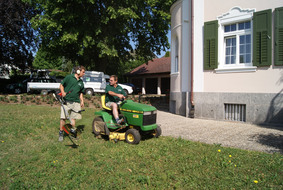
139, 120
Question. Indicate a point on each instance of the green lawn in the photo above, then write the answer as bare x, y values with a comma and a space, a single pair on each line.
32, 158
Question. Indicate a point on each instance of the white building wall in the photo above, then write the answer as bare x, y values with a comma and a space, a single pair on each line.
214, 8
264, 80
261, 91
179, 80
176, 28
261, 80
181, 27
198, 45
186, 47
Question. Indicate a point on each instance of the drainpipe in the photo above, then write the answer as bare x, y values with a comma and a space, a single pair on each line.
192, 106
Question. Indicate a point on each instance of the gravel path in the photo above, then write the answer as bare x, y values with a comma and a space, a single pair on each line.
229, 134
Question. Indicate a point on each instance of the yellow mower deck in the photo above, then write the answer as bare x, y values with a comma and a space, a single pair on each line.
115, 136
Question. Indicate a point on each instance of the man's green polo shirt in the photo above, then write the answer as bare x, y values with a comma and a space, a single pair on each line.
73, 88
117, 90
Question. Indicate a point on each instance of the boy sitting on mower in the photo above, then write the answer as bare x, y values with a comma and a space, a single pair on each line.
114, 93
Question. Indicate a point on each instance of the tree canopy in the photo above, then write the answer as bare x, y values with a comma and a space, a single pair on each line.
17, 37
43, 60
100, 34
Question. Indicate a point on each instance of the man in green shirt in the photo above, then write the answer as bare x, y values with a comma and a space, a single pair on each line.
114, 93
72, 88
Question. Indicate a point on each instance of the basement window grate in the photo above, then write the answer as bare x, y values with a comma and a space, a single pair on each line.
235, 112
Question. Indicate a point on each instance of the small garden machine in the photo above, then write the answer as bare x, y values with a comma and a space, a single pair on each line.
139, 120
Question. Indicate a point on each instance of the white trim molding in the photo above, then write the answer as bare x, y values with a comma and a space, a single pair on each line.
236, 70
236, 14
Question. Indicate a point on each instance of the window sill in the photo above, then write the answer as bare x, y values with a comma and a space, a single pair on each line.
236, 70
176, 73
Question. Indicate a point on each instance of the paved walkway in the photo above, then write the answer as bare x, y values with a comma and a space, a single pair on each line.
229, 134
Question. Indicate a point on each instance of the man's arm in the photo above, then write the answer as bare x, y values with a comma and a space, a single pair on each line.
121, 96
82, 99
61, 87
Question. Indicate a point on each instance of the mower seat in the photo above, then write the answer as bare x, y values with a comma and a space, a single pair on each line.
103, 103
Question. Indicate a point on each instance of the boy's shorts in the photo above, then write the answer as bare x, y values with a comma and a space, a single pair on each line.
73, 115
108, 104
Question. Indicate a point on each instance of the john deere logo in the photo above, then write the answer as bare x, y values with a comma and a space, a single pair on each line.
135, 116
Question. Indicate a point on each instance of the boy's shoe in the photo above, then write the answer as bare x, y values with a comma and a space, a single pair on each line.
120, 121
61, 136
73, 132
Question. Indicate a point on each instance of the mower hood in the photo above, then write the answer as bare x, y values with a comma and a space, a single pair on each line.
131, 106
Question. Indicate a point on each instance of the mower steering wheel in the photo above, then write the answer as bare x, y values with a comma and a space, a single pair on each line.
121, 102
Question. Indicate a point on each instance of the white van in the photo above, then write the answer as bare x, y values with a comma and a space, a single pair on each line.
94, 81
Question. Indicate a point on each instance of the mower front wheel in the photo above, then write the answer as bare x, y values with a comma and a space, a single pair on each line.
157, 132
133, 136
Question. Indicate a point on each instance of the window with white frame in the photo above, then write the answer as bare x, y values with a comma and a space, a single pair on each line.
176, 57
235, 41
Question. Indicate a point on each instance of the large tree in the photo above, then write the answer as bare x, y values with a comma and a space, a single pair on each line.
44, 60
100, 33
17, 37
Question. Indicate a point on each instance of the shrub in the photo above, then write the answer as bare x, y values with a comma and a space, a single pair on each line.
88, 97
2, 98
97, 105
14, 99
38, 100
50, 101
6, 99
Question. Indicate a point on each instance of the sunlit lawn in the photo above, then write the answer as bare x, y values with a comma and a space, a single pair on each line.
32, 158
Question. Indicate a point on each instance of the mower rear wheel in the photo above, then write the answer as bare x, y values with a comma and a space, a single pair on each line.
157, 132
133, 136
98, 126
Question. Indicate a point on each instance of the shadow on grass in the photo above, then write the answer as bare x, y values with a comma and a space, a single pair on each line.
80, 129
272, 140
73, 146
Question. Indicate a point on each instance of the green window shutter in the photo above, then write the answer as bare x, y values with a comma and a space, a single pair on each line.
278, 23
210, 45
262, 34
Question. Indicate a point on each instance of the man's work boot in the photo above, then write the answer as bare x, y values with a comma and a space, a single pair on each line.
120, 121
61, 136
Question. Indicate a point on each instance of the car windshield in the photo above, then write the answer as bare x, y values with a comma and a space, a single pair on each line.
92, 79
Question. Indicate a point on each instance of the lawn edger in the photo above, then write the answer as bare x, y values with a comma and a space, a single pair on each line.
139, 120
68, 127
